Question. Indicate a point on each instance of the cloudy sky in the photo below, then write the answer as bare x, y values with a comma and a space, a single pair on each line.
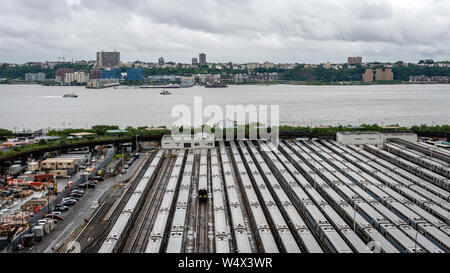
309, 31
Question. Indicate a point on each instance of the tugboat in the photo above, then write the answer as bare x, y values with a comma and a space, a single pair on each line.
165, 92
71, 95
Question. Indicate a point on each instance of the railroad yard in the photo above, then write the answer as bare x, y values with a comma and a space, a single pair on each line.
316, 196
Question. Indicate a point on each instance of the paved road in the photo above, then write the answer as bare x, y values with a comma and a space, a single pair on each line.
76, 215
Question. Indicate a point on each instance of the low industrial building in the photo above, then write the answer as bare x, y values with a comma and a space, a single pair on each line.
411, 137
48, 138
49, 164
359, 138
80, 158
52, 164
198, 141
371, 138
59, 173
102, 83
35, 76
82, 135
33, 166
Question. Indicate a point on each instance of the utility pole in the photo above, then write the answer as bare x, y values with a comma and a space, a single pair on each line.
123, 158
137, 149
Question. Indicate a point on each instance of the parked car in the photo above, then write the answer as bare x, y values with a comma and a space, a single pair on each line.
75, 194
124, 171
53, 216
61, 208
75, 197
80, 191
126, 166
69, 202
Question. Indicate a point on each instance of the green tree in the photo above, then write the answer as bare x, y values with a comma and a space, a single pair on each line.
5, 132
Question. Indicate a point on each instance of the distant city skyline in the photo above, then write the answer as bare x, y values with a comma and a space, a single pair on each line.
256, 31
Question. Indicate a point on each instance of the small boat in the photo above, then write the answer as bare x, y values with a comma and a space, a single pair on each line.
165, 92
71, 95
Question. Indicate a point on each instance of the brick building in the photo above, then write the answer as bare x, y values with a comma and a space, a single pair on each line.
379, 75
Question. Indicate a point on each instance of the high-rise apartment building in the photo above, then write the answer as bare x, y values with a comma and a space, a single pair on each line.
61, 74
194, 60
354, 60
81, 76
202, 58
161, 61
108, 59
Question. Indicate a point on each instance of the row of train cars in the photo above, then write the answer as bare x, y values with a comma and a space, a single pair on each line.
301, 196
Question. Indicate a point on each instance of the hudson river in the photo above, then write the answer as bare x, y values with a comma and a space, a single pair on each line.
35, 107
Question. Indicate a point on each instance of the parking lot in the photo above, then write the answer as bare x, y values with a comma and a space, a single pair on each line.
75, 216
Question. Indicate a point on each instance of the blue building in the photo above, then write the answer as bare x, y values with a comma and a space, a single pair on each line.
164, 78
135, 74
110, 73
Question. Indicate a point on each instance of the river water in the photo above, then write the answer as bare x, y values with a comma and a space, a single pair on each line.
35, 107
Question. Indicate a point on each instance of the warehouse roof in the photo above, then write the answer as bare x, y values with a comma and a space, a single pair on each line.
116, 131
82, 134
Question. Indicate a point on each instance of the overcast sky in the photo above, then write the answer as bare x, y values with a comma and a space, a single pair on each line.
310, 31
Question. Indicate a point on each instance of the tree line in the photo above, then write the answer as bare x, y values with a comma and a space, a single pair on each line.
315, 75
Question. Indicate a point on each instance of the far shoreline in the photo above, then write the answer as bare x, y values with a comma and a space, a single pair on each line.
265, 84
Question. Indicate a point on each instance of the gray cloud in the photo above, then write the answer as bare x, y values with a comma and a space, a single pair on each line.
232, 30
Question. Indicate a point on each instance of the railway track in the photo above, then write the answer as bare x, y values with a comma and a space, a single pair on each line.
192, 240
95, 225
236, 203
139, 235
202, 229
304, 196
428, 151
159, 235
220, 200
202, 207
93, 237
210, 221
